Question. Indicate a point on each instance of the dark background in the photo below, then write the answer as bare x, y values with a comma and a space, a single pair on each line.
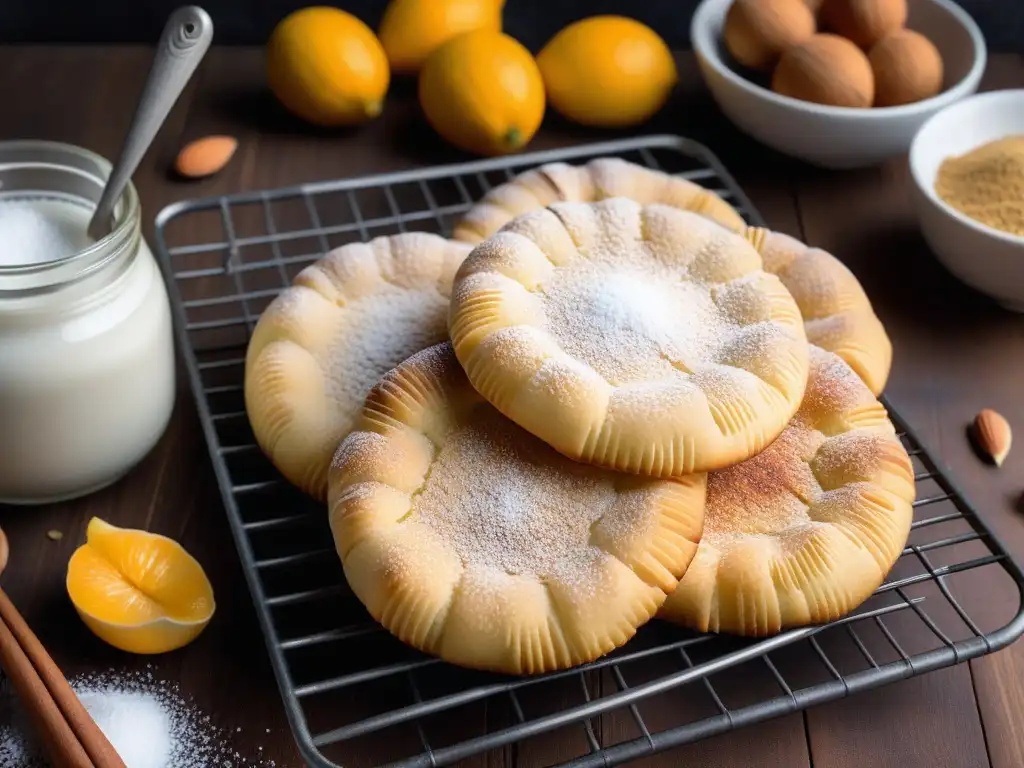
532, 22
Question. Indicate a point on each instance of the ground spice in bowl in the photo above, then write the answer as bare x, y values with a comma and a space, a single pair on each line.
987, 184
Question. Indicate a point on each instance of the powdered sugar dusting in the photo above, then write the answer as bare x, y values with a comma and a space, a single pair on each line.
641, 298
744, 301
379, 332
832, 386
771, 492
629, 303
766, 494
505, 500
852, 454
822, 285
630, 325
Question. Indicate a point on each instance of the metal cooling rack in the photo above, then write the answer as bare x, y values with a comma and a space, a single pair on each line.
354, 694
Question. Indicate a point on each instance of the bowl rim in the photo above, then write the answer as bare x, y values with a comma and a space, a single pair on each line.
966, 84
927, 187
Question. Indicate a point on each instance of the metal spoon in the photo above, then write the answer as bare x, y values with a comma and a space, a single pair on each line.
183, 43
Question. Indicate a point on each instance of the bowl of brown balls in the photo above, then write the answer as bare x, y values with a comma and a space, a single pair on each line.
836, 83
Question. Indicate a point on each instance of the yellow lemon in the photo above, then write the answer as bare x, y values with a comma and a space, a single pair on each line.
482, 91
607, 71
139, 591
412, 29
327, 67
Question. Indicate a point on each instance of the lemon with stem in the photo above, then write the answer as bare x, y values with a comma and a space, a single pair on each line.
483, 93
327, 67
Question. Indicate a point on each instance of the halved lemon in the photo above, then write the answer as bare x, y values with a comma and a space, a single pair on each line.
139, 591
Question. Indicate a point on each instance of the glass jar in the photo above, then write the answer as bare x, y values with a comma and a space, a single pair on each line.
87, 379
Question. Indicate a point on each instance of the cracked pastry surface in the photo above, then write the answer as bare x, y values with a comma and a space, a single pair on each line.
838, 314
806, 530
323, 342
472, 540
645, 339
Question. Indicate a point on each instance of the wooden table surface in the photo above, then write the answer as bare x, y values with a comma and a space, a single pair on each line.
955, 353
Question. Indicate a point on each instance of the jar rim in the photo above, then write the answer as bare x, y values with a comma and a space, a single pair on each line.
66, 171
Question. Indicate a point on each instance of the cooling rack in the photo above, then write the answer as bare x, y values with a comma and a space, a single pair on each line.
354, 694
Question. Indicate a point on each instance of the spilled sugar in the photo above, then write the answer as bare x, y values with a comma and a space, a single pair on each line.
137, 725
146, 720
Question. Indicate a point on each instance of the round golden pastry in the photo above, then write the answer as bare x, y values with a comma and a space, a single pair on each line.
645, 339
837, 313
324, 341
470, 539
598, 179
805, 531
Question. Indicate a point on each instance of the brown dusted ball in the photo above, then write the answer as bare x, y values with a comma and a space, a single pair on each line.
826, 69
907, 68
758, 31
865, 22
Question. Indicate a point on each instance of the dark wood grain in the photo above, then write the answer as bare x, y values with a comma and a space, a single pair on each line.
86, 96
955, 353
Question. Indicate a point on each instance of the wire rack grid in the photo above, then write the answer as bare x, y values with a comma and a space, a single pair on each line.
356, 696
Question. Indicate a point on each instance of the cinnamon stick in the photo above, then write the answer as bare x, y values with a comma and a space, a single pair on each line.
89, 736
55, 735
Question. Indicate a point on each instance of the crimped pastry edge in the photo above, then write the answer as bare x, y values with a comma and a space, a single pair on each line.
284, 388
418, 589
574, 414
756, 588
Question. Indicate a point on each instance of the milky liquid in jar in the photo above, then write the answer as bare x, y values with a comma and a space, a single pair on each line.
87, 373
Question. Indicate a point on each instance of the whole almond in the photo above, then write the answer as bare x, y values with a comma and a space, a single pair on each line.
205, 156
993, 434
826, 69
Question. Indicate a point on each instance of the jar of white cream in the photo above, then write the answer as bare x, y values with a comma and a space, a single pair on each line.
87, 372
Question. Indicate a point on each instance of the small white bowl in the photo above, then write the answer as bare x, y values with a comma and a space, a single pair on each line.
988, 259
839, 137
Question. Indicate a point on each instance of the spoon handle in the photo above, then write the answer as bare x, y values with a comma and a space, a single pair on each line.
184, 42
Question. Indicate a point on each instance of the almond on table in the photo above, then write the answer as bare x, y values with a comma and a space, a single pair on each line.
993, 434
205, 156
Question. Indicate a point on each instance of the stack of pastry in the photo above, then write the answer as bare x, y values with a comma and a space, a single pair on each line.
606, 400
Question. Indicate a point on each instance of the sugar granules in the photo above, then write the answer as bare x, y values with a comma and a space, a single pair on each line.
146, 720
137, 725
34, 232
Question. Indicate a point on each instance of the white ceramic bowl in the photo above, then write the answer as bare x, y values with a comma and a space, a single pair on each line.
987, 259
839, 137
